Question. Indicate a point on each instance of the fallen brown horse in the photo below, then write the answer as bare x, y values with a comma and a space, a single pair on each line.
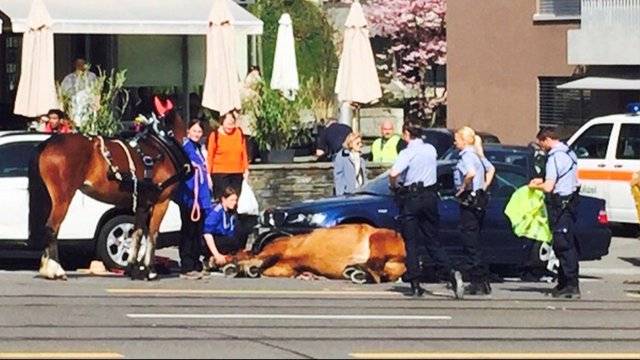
356, 251
137, 175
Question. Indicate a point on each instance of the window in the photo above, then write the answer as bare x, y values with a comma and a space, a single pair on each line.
14, 159
557, 10
506, 183
629, 142
593, 143
561, 106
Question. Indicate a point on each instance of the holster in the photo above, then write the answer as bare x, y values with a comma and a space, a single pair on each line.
476, 200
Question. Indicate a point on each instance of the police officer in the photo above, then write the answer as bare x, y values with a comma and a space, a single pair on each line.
562, 188
413, 177
472, 176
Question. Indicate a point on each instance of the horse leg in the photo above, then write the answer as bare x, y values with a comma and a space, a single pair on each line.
394, 269
50, 266
135, 271
157, 214
280, 269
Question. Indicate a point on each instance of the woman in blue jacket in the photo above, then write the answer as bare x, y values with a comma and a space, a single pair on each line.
221, 235
194, 198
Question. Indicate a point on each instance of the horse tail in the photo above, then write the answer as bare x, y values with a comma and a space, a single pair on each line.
39, 201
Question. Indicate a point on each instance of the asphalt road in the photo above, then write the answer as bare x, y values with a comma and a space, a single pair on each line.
113, 317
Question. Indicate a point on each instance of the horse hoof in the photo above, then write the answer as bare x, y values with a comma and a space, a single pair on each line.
359, 277
230, 270
253, 272
348, 271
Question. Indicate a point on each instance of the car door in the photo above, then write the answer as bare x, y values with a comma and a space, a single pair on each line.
499, 243
620, 204
449, 210
14, 196
593, 148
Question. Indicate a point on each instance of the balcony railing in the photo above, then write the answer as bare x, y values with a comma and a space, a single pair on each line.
608, 15
609, 34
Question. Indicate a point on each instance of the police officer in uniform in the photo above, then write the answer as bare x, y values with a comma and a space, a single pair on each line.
562, 189
472, 177
413, 178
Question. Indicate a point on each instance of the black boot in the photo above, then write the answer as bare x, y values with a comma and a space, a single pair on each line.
567, 292
416, 289
478, 288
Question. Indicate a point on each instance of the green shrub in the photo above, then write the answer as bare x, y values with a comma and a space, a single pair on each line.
277, 122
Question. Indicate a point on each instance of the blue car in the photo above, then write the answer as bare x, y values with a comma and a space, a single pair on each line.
375, 205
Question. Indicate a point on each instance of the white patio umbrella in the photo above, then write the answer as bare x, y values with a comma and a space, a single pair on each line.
285, 68
221, 85
357, 80
37, 87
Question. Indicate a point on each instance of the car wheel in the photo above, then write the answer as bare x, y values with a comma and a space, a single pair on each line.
113, 246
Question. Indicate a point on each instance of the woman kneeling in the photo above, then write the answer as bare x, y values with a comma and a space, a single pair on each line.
220, 234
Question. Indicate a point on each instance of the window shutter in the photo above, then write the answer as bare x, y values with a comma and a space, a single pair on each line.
559, 7
561, 106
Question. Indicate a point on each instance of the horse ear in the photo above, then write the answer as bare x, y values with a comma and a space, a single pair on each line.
160, 107
169, 105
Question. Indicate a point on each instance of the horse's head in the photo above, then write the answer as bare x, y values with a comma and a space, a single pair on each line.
169, 119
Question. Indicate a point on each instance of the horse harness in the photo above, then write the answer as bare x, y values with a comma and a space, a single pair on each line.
141, 187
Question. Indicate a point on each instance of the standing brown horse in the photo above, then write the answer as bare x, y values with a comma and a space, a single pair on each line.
139, 173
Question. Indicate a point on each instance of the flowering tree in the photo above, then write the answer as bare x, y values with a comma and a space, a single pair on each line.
416, 30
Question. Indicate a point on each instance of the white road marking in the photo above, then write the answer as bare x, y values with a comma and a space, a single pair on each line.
252, 292
609, 271
288, 317
60, 355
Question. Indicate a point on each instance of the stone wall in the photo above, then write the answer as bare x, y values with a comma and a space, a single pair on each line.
276, 185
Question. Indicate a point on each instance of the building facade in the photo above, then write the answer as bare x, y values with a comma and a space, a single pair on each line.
507, 59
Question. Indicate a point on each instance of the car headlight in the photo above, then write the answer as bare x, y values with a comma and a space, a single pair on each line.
307, 219
317, 219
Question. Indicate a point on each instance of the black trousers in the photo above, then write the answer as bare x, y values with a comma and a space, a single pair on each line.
470, 225
190, 242
419, 219
562, 222
222, 181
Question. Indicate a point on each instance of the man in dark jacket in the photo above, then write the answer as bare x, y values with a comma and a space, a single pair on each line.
331, 140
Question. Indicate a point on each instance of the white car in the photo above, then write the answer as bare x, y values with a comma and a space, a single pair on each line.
90, 222
608, 150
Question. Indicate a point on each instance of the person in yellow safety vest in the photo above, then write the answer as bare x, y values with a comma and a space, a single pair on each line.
387, 147
635, 191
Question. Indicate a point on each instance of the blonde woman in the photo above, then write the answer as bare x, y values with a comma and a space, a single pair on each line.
472, 177
490, 171
349, 167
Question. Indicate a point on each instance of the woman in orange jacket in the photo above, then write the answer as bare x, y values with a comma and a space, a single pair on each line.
227, 157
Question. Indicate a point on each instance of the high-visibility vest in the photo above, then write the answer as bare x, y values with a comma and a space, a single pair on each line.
528, 214
387, 153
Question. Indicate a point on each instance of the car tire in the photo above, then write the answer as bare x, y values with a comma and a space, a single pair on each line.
113, 243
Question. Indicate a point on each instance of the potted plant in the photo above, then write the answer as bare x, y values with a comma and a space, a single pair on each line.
97, 108
277, 125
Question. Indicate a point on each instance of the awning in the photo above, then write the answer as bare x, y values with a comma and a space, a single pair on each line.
602, 83
129, 17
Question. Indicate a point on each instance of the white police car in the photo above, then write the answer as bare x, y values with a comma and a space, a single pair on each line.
608, 150
102, 227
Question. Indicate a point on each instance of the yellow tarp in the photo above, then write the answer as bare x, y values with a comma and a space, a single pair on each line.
528, 214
